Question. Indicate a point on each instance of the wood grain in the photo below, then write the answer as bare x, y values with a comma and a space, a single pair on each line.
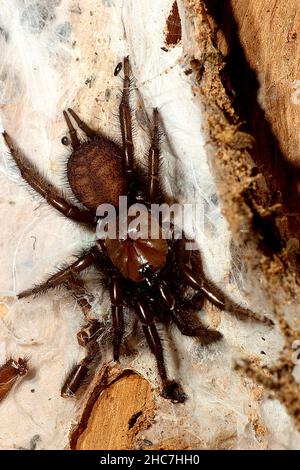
121, 411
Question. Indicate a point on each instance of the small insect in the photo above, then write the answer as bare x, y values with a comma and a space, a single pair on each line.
156, 279
10, 373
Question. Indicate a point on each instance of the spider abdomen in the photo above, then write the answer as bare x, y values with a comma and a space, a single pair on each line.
95, 173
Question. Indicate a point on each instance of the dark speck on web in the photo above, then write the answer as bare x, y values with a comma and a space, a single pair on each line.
4, 33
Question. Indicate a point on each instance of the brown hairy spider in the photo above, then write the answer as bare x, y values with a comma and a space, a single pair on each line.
148, 276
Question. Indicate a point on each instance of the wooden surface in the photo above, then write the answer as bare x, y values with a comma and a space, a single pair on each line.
121, 411
261, 42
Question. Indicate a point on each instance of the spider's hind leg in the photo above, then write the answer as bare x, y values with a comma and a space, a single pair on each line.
171, 389
87, 338
193, 275
185, 319
78, 373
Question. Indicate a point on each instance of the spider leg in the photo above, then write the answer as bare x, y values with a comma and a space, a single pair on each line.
153, 162
77, 375
87, 337
194, 277
74, 379
31, 175
64, 275
195, 303
126, 123
116, 297
171, 389
84, 127
89, 332
185, 320
73, 134
92, 328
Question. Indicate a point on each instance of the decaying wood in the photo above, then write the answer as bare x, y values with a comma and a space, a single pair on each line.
118, 407
261, 43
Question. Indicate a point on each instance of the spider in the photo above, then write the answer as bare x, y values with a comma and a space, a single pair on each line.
146, 276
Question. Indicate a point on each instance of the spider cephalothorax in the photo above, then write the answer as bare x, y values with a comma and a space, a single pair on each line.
148, 275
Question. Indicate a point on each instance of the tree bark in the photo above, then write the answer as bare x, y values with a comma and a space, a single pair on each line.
260, 41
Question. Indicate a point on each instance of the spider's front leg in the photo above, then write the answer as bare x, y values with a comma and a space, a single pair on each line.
171, 389
186, 321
